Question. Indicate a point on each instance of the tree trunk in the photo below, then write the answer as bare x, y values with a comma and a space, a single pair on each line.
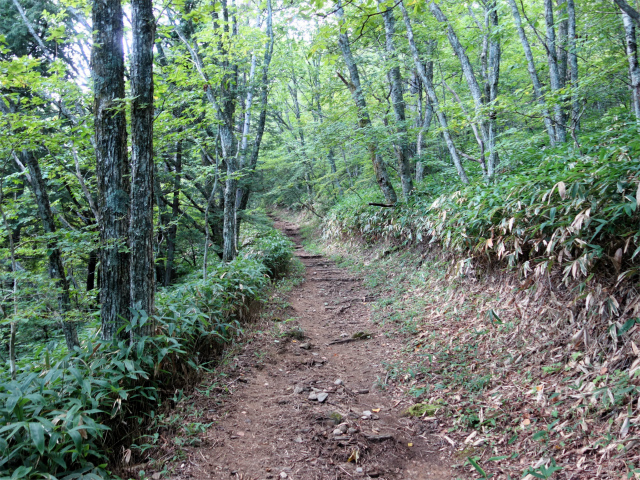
573, 65
91, 270
562, 43
242, 195
427, 80
229, 150
172, 231
245, 138
491, 84
229, 144
419, 172
397, 99
112, 165
629, 10
472, 82
334, 171
13, 327
142, 265
425, 120
554, 72
533, 73
634, 68
364, 121
56, 268
163, 219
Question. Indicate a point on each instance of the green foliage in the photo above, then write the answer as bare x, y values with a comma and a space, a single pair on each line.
559, 209
271, 247
67, 417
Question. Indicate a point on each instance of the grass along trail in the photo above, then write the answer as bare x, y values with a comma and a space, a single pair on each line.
305, 397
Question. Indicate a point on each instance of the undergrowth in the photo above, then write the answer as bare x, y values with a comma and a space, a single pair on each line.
576, 213
74, 416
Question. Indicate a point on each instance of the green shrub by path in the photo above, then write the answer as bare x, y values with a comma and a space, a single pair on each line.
572, 211
271, 247
70, 417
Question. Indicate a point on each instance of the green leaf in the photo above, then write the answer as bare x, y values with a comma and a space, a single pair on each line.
37, 435
627, 326
473, 462
21, 472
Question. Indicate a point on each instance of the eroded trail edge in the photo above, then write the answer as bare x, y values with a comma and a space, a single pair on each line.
307, 397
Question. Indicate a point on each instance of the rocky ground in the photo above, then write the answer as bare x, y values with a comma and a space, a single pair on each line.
305, 398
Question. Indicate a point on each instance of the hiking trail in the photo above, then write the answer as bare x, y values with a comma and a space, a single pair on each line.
308, 404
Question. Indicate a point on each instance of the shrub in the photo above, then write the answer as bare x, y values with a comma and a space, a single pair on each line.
570, 211
70, 418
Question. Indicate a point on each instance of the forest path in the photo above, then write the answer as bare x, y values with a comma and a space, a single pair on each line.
267, 427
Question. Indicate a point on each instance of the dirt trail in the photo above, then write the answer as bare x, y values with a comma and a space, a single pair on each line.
267, 427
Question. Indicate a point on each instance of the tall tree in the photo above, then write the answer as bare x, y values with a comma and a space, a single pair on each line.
364, 121
56, 268
480, 100
573, 64
533, 72
112, 167
555, 80
427, 80
142, 267
397, 99
228, 140
172, 231
634, 67
492, 77
242, 195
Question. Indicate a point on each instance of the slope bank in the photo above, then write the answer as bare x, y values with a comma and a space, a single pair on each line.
532, 376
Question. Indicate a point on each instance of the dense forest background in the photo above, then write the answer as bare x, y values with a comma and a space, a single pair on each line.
143, 142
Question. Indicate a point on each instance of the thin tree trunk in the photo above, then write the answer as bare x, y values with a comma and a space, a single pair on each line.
491, 84
56, 267
425, 123
229, 151
142, 265
364, 121
554, 73
472, 82
14, 269
112, 165
634, 68
245, 137
478, 136
427, 80
175, 213
210, 200
397, 99
562, 43
533, 73
573, 65
242, 196
163, 219
91, 270
334, 171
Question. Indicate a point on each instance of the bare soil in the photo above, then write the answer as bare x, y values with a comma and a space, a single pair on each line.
263, 424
